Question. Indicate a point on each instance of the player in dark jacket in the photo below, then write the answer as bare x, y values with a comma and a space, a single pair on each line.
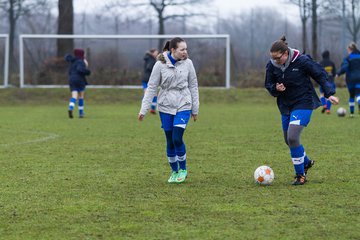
149, 62
330, 68
351, 66
288, 79
77, 80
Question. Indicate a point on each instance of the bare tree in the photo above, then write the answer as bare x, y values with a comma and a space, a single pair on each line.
65, 26
14, 10
165, 10
304, 8
314, 29
353, 23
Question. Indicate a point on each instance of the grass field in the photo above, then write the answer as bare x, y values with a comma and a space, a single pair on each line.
105, 176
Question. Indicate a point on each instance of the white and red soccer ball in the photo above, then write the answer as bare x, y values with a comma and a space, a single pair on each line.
264, 175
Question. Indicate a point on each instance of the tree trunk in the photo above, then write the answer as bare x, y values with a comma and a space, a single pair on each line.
304, 35
314, 30
161, 30
65, 26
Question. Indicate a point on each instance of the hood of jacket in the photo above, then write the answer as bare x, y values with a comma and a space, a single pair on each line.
293, 55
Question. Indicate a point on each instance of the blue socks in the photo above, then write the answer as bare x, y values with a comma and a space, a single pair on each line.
352, 105
153, 104
323, 101
72, 103
175, 149
297, 157
81, 107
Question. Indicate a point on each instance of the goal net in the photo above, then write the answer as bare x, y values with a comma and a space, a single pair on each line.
4, 60
117, 60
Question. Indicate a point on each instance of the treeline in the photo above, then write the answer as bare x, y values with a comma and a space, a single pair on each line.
120, 61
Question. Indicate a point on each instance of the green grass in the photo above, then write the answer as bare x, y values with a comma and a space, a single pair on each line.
105, 176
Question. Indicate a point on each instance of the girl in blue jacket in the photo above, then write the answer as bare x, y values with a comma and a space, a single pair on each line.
288, 79
77, 81
351, 66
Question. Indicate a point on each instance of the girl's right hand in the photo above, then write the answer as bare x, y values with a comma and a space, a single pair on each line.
334, 100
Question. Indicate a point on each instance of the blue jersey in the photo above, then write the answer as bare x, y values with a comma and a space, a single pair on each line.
300, 92
351, 66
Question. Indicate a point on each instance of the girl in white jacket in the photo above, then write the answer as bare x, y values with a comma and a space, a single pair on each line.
178, 100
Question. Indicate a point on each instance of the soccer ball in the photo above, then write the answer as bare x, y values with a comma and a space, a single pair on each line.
341, 112
264, 175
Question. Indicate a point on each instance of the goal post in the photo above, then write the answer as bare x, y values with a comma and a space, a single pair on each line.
23, 48
6, 60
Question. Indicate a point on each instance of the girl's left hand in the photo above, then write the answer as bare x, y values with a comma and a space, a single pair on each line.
140, 117
194, 116
334, 100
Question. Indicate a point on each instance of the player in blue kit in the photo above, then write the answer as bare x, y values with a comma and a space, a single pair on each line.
78, 71
351, 66
149, 62
288, 79
178, 100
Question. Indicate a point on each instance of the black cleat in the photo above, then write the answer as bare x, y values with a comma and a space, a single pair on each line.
323, 110
309, 165
299, 180
71, 114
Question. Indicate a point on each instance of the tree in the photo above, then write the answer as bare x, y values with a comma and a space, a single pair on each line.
65, 26
353, 22
165, 10
14, 10
314, 33
304, 8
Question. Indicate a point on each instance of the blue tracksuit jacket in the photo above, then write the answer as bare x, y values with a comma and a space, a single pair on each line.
351, 66
77, 72
300, 92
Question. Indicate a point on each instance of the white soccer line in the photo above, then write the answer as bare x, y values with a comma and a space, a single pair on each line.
50, 136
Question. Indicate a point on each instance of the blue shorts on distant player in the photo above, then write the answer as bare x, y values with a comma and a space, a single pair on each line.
296, 117
181, 119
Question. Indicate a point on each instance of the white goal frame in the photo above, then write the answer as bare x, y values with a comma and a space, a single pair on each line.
22, 37
6, 60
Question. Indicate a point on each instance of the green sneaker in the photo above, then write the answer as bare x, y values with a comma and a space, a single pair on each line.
172, 178
181, 176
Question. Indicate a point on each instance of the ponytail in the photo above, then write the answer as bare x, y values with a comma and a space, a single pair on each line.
166, 46
279, 45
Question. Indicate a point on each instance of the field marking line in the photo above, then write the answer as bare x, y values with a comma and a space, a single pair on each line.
49, 136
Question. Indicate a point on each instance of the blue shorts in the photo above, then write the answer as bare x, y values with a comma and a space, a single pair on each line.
168, 121
296, 117
78, 86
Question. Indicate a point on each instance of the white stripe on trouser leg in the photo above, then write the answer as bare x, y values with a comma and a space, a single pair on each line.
72, 104
358, 98
180, 125
181, 158
295, 122
172, 159
351, 104
298, 161
81, 108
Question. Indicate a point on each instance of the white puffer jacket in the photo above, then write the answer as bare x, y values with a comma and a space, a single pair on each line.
178, 87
